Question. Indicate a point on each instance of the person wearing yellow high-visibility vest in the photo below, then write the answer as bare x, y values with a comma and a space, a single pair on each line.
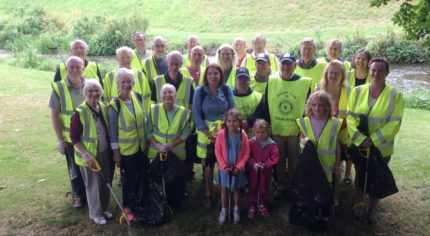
211, 101
126, 116
142, 85
89, 134
320, 128
226, 57
182, 84
193, 41
334, 52
239, 45
79, 48
383, 106
155, 64
258, 47
308, 65
360, 74
286, 97
195, 70
250, 103
65, 97
167, 129
335, 83
140, 53
263, 74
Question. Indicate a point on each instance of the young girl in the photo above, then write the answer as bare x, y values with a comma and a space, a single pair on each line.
263, 157
322, 129
232, 152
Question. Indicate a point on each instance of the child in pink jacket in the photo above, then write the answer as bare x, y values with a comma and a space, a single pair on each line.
232, 152
263, 157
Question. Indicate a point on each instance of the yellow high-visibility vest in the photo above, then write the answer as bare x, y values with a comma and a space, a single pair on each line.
90, 71
183, 96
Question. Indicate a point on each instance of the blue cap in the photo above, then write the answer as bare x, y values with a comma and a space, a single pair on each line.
288, 57
242, 71
262, 57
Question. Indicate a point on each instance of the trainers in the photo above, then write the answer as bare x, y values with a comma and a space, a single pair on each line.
108, 214
372, 217
209, 203
263, 211
77, 203
100, 220
236, 217
251, 213
222, 217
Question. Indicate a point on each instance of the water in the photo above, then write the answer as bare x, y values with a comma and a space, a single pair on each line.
410, 78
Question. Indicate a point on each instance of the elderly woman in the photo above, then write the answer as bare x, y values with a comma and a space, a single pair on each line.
89, 134
126, 116
383, 106
142, 87
167, 129
360, 75
226, 58
335, 83
211, 101
239, 45
195, 70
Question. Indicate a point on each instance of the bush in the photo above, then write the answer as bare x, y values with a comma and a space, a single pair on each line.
419, 100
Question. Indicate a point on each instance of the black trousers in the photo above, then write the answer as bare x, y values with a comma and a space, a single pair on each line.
134, 175
75, 176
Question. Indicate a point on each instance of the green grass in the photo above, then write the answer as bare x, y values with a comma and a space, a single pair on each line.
216, 22
34, 181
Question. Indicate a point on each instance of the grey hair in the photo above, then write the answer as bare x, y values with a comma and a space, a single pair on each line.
91, 83
145, 36
168, 87
197, 48
191, 37
159, 38
74, 58
259, 37
335, 41
124, 72
79, 41
307, 40
124, 49
174, 53
238, 39
218, 54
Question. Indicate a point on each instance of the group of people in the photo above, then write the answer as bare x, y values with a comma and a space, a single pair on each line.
248, 113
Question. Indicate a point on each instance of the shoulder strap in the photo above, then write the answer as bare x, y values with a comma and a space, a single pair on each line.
118, 104
225, 92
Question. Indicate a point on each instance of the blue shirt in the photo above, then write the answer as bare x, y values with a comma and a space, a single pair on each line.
212, 108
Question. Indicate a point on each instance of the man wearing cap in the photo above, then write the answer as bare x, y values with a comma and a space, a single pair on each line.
249, 102
263, 74
258, 47
140, 53
155, 64
286, 97
193, 41
308, 65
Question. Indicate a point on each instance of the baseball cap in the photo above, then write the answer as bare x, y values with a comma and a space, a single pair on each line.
288, 57
242, 71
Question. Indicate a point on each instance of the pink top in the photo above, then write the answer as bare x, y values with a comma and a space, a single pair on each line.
266, 153
317, 126
221, 151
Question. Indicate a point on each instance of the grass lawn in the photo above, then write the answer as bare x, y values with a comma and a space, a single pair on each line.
33, 179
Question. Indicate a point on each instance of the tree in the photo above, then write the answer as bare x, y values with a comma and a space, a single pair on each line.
413, 18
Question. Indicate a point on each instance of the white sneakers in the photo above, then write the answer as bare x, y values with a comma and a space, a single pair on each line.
222, 218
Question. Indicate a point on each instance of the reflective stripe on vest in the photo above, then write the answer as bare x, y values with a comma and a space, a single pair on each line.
66, 107
165, 132
326, 144
182, 94
131, 134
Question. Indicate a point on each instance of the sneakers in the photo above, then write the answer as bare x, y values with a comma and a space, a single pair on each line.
222, 217
108, 214
251, 213
100, 220
77, 203
209, 203
263, 211
236, 217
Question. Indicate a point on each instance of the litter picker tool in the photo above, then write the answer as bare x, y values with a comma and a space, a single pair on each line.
361, 208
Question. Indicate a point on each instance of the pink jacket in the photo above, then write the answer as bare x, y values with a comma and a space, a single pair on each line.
267, 154
221, 151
